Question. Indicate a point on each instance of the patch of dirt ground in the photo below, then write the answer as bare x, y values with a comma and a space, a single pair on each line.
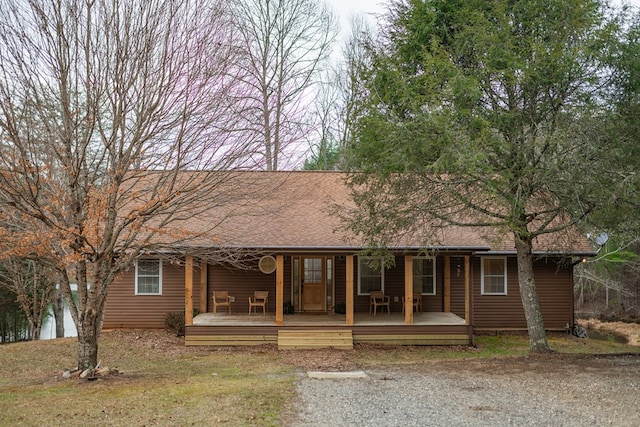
631, 331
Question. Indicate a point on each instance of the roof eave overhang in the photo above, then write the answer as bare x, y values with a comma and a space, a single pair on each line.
343, 250
352, 249
545, 253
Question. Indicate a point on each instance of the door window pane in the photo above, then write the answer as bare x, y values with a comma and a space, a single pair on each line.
313, 270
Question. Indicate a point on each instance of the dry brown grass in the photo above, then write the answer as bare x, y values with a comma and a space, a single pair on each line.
162, 382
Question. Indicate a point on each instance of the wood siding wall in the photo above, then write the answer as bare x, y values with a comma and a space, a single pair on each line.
125, 309
394, 288
554, 286
242, 283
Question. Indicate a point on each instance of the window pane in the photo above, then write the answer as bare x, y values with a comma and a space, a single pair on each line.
494, 285
148, 267
368, 284
422, 266
329, 282
369, 278
147, 285
423, 275
493, 266
367, 270
148, 276
427, 285
494, 275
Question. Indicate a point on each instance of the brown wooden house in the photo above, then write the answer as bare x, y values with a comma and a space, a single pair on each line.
293, 246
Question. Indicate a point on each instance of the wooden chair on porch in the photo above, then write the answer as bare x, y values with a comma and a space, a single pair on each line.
417, 303
378, 299
259, 299
221, 299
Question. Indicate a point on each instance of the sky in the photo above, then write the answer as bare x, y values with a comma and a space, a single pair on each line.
345, 7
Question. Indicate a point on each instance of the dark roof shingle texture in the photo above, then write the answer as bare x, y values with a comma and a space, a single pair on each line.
296, 209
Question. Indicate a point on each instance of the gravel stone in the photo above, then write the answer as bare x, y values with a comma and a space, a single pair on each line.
532, 391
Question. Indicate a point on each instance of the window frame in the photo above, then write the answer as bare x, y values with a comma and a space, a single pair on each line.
433, 274
362, 259
137, 274
482, 275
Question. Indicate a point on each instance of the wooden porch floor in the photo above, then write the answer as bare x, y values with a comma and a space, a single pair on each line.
325, 319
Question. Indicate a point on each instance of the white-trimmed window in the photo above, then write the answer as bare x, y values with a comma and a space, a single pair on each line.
149, 277
494, 275
424, 275
370, 275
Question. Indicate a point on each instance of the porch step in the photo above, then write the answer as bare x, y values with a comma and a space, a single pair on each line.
308, 339
228, 340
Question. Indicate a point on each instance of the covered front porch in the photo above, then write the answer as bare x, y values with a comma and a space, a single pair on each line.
325, 328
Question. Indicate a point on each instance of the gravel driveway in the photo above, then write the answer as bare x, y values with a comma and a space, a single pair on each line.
534, 391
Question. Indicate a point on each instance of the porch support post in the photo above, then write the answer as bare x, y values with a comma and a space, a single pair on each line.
467, 290
188, 291
349, 290
408, 290
203, 286
279, 288
447, 284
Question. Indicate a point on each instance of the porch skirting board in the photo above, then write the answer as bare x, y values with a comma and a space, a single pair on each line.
317, 336
413, 339
308, 339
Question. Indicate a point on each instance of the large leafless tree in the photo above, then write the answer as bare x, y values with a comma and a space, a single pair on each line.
104, 106
285, 43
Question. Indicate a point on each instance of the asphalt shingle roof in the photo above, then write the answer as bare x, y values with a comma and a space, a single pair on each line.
297, 210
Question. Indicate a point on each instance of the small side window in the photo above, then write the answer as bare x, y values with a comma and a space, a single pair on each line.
494, 276
149, 277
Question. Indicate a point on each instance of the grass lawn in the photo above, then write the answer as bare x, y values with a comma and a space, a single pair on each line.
161, 382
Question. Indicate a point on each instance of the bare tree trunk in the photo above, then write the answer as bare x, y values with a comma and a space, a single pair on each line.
58, 313
529, 295
88, 344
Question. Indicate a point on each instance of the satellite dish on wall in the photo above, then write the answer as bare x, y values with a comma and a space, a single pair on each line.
267, 264
602, 238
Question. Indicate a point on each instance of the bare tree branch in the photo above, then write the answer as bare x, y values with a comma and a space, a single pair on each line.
285, 45
107, 109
